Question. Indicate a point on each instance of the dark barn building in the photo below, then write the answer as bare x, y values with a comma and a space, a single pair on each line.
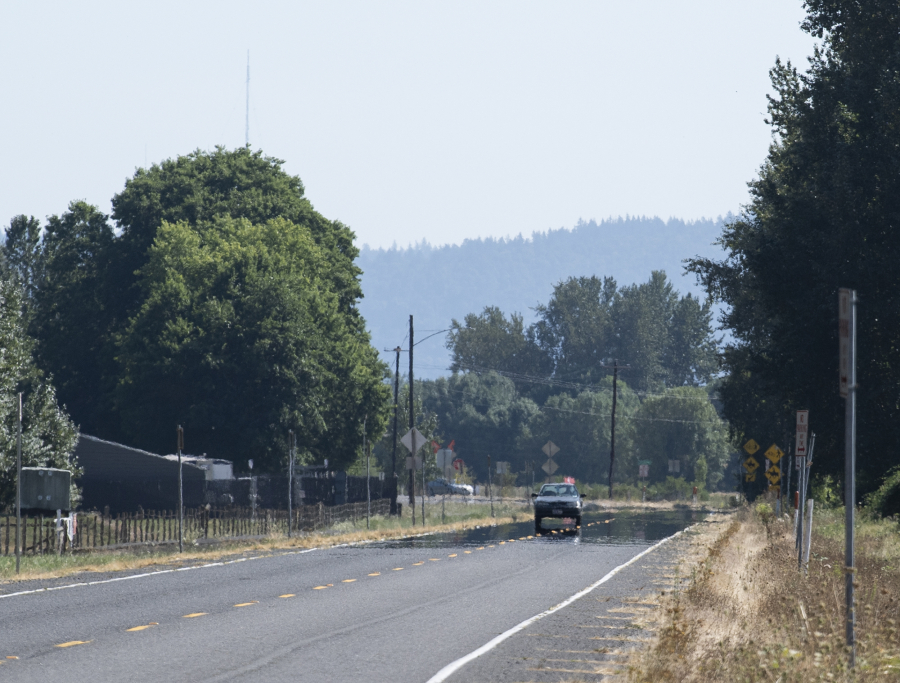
127, 479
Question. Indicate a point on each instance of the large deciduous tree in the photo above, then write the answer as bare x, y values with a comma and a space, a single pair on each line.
48, 435
224, 301
824, 213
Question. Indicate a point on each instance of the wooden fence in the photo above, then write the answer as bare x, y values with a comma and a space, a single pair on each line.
96, 530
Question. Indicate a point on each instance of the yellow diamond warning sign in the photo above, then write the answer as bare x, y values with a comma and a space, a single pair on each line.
774, 454
773, 474
751, 447
750, 464
750, 476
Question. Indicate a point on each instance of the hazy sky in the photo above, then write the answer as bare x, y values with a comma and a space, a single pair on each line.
405, 120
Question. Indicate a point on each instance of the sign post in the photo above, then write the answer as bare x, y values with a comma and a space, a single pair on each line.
550, 449
19, 489
414, 440
847, 381
800, 450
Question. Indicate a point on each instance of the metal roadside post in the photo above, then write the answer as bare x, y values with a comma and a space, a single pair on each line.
800, 452
19, 489
424, 456
490, 486
412, 423
612, 431
180, 491
368, 482
290, 481
847, 303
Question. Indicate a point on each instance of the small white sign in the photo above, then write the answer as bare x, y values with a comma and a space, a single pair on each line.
445, 458
845, 315
802, 432
417, 461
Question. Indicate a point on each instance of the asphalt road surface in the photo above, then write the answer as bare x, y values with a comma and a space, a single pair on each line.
380, 612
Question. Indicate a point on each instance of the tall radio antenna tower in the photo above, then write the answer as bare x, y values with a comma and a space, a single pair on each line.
247, 120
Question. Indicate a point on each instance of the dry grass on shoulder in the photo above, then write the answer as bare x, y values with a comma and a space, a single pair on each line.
52, 566
750, 615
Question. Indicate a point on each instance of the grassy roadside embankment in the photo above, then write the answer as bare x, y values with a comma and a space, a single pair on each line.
749, 615
457, 516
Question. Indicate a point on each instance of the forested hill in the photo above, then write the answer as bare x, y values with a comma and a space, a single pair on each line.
437, 284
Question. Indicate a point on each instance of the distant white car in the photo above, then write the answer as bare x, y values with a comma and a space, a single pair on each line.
442, 486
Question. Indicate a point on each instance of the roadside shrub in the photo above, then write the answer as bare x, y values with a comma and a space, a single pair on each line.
886, 500
826, 491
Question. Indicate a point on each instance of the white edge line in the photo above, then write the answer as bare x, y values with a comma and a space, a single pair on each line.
453, 667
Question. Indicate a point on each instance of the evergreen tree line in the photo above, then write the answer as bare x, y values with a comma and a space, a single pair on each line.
214, 297
824, 213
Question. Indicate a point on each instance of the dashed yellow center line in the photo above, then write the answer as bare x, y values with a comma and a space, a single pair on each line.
433, 559
288, 595
11, 657
348, 580
318, 588
194, 614
141, 628
375, 574
529, 537
467, 552
501, 543
72, 643
418, 564
453, 555
481, 548
398, 569
247, 604
524, 537
490, 546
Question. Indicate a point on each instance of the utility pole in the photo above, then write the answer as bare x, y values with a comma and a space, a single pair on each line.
412, 423
247, 120
19, 489
180, 492
847, 303
394, 451
290, 481
612, 438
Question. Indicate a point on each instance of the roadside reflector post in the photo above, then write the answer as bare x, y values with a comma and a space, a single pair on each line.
808, 547
847, 303
490, 487
290, 482
180, 433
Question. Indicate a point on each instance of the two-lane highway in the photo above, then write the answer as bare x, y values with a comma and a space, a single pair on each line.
378, 612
